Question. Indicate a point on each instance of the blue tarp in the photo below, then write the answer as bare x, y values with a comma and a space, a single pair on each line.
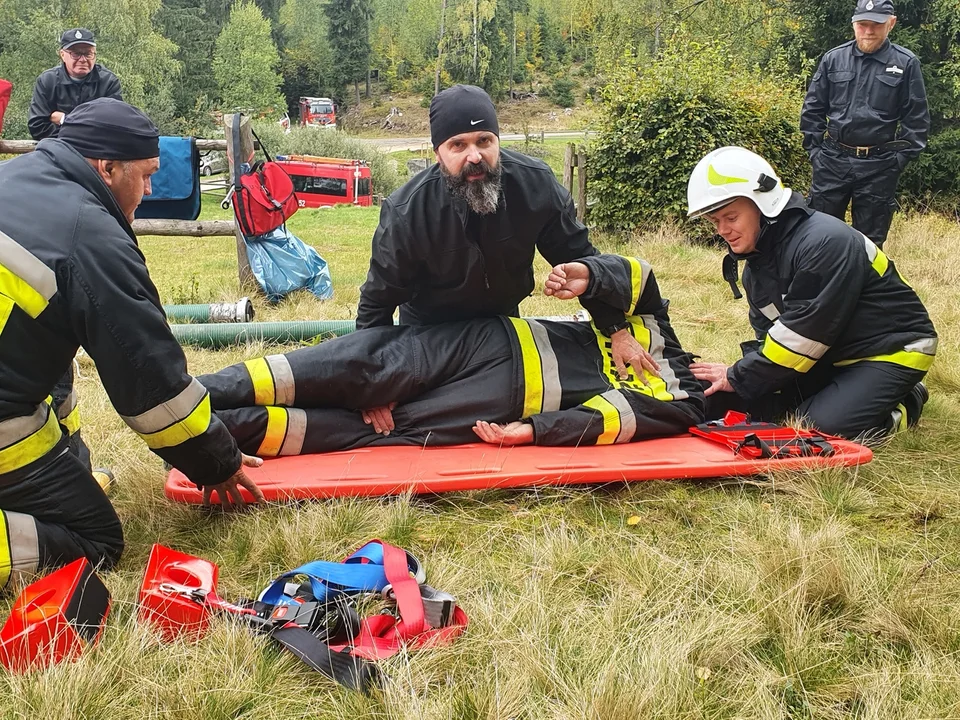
281, 262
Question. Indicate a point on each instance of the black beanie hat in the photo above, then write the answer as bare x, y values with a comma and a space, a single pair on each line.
461, 109
110, 129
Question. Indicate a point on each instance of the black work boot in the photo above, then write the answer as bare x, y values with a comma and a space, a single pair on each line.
914, 402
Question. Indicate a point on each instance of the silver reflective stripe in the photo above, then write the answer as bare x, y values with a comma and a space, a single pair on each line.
24, 546
283, 382
870, 247
770, 311
552, 390
16, 429
68, 405
27, 267
796, 342
667, 373
296, 431
169, 413
927, 346
628, 421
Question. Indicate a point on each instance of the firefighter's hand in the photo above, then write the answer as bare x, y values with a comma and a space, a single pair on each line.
567, 281
515, 433
713, 373
56, 117
381, 418
627, 351
228, 491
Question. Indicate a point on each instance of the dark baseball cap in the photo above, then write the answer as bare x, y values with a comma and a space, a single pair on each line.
878, 11
76, 36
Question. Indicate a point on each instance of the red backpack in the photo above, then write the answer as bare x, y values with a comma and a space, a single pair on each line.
265, 198
5, 89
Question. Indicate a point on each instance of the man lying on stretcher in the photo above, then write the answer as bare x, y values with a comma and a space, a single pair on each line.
508, 381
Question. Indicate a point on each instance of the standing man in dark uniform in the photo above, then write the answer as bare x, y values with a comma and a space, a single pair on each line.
457, 242
864, 118
77, 79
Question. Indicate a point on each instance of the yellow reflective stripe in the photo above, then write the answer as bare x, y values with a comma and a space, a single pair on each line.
880, 263
715, 178
33, 447
72, 421
6, 561
906, 358
6, 306
275, 433
264, 389
193, 425
902, 420
611, 419
777, 353
532, 373
636, 282
18, 290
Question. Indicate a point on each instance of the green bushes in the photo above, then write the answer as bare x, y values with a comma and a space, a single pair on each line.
662, 118
932, 181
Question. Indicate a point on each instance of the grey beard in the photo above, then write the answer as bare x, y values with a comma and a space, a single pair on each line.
481, 196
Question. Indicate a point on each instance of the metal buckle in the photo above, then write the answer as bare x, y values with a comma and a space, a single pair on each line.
866, 151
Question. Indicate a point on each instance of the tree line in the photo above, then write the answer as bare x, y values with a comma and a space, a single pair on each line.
184, 60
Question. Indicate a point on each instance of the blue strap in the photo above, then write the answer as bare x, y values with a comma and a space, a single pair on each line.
328, 579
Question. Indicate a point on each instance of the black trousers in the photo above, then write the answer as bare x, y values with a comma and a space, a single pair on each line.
55, 512
869, 183
856, 401
443, 378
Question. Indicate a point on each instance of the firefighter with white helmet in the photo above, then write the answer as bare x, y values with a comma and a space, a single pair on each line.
841, 339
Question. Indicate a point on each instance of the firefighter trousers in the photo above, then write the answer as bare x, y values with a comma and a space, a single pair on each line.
869, 185
858, 401
443, 378
52, 512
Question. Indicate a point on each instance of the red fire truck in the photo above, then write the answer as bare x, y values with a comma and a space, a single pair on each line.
318, 112
324, 182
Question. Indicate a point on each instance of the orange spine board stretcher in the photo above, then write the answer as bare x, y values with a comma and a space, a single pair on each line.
391, 470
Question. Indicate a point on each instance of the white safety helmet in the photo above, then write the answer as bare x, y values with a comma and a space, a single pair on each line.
731, 172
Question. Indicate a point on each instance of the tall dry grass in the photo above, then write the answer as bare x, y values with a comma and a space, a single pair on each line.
826, 594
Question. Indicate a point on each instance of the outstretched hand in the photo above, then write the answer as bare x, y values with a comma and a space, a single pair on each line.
713, 373
567, 281
228, 491
515, 433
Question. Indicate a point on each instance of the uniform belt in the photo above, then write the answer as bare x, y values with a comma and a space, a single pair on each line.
865, 151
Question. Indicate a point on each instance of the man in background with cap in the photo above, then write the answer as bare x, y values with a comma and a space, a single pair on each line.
71, 275
864, 118
77, 79
457, 241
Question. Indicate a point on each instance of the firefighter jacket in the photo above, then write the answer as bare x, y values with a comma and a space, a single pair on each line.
822, 292
861, 100
71, 274
442, 262
56, 91
572, 394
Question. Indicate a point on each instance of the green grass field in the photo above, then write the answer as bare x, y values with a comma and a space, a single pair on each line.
829, 594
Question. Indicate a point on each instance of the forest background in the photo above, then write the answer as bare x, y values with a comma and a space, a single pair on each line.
664, 80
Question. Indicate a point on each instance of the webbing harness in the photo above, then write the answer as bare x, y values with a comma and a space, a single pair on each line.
763, 440
311, 612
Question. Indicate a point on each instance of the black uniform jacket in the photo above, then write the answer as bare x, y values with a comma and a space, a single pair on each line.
55, 91
820, 292
443, 262
71, 275
861, 99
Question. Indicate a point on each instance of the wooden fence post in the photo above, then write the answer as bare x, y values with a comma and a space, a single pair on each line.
240, 153
568, 160
581, 184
